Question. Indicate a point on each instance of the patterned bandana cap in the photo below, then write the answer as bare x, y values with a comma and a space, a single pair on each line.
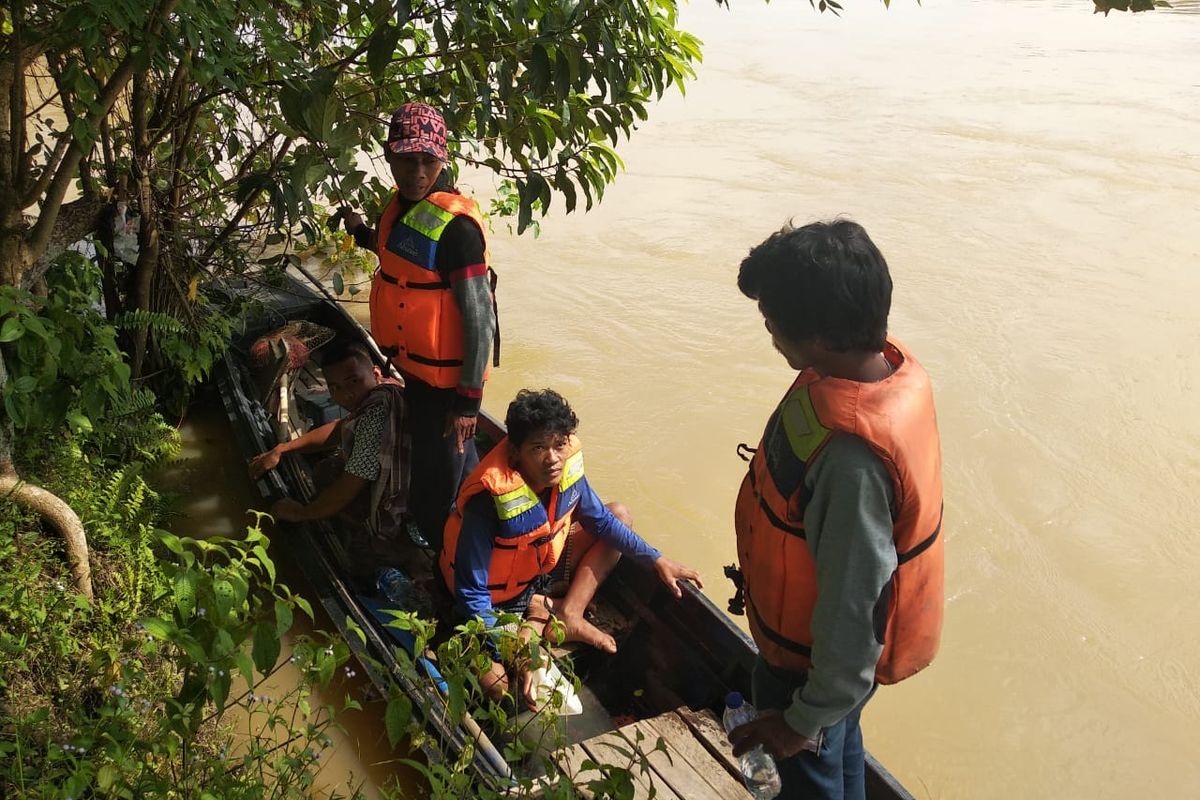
418, 128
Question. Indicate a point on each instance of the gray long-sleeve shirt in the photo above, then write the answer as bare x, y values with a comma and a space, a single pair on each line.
848, 527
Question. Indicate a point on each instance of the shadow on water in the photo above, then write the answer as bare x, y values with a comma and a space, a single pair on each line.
213, 495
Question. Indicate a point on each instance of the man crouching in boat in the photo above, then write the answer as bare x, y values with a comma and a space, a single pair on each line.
509, 538
366, 483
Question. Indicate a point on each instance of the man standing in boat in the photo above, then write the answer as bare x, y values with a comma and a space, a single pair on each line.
510, 542
432, 308
839, 519
366, 483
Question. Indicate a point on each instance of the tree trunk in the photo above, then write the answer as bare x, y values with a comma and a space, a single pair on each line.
148, 239
47, 505
55, 511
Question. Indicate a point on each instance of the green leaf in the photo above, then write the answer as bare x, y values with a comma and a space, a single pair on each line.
106, 777
304, 606
266, 647
159, 628
11, 330
283, 618
457, 697
325, 667
170, 541
185, 593
396, 718
539, 71
245, 666
525, 207
265, 560
24, 384
223, 594
218, 686
381, 48
224, 646
78, 422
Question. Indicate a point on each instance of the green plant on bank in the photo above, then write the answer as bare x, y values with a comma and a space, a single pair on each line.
346, 266
63, 356
96, 705
528, 743
505, 205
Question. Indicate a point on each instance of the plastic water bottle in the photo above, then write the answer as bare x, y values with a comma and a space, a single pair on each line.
758, 769
395, 586
405, 593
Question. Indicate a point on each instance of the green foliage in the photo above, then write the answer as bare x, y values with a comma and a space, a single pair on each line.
253, 109
527, 741
506, 203
95, 705
192, 351
65, 368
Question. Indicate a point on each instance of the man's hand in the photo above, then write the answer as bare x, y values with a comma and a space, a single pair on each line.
462, 428
264, 462
770, 730
352, 221
288, 510
526, 680
671, 573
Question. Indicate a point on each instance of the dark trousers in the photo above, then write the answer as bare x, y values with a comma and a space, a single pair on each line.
438, 469
838, 771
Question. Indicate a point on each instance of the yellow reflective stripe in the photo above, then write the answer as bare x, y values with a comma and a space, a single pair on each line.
428, 219
512, 503
804, 431
572, 472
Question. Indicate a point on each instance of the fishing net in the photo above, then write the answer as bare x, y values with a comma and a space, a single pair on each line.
293, 343
283, 351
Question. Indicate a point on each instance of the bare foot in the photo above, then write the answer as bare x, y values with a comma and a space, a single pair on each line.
578, 629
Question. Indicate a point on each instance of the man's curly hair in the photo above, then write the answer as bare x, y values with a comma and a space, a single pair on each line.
533, 412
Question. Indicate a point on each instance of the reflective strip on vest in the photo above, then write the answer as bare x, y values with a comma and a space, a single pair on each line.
414, 316
528, 543
512, 504
572, 472
897, 419
804, 431
428, 219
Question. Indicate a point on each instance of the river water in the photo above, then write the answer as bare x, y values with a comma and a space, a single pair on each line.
1030, 171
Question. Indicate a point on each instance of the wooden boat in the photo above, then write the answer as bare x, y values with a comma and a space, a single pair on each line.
677, 659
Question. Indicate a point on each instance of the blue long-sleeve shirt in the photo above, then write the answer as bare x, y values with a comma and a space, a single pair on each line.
480, 527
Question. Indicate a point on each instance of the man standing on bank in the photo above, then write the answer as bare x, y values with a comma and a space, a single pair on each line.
839, 519
432, 308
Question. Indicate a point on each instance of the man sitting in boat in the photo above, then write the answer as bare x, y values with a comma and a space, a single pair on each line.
510, 545
366, 483
432, 307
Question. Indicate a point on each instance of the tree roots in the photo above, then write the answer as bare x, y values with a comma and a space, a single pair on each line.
56, 512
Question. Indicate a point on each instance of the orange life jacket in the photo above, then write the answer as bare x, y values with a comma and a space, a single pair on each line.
896, 418
531, 536
414, 318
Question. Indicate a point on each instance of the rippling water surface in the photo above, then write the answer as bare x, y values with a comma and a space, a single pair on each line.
1031, 171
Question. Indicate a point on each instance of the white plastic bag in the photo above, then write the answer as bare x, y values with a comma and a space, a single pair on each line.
546, 727
547, 679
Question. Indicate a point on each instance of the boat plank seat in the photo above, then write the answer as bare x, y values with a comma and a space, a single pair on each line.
698, 761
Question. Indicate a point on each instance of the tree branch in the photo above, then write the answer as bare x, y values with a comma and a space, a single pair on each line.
39, 186
39, 236
233, 222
